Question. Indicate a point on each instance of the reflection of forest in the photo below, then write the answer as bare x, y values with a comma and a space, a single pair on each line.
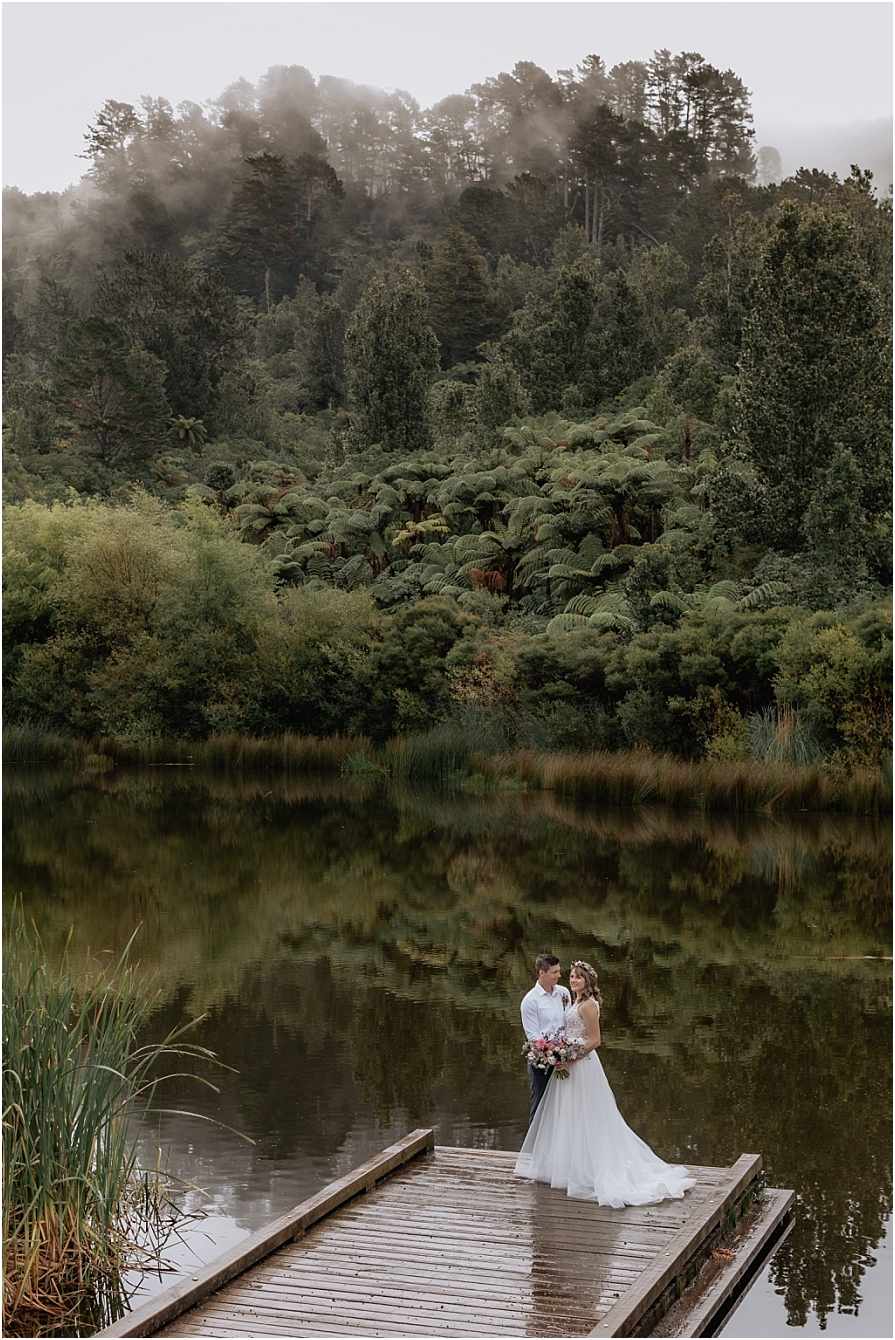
380, 943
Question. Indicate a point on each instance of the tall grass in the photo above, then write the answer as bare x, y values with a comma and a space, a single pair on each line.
77, 1210
789, 778
27, 743
426, 758
636, 778
782, 734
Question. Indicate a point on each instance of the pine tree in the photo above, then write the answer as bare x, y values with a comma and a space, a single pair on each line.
185, 317
461, 304
112, 392
391, 360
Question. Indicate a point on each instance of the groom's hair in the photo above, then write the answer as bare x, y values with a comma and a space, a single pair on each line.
544, 962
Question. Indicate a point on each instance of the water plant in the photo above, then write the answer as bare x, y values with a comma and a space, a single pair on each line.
781, 734
78, 1210
456, 752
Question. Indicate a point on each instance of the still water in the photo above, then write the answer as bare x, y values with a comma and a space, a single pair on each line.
359, 955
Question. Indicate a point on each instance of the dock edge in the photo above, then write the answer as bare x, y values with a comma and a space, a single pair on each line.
157, 1312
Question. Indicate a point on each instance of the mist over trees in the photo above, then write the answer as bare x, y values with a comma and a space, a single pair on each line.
548, 411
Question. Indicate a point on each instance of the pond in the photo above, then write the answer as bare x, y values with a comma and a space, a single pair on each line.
360, 953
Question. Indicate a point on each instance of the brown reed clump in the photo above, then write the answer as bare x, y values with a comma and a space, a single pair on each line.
630, 777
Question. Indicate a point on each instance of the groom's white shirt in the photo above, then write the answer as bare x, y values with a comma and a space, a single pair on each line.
542, 1011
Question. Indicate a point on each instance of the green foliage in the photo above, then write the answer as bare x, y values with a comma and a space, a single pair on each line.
189, 432
731, 262
666, 407
461, 305
687, 384
407, 670
815, 360
111, 392
839, 671
280, 225
392, 357
29, 417
78, 1210
549, 344
499, 397
836, 529
186, 318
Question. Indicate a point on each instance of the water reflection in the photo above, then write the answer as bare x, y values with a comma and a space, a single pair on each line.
360, 957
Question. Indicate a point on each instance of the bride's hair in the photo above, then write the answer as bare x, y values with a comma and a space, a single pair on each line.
591, 990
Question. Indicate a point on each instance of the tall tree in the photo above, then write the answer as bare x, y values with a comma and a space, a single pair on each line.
731, 261
814, 369
391, 359
325, 361
280, 224
182, 315
550, 345
461, 303
111, 391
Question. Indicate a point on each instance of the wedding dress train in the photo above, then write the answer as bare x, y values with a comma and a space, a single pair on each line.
580, 1142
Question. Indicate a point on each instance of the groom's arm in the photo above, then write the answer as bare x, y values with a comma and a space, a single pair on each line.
530, 1020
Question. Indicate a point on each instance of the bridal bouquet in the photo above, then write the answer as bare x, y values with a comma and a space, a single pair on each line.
552, 1052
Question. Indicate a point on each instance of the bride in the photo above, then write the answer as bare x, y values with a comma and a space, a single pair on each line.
578, 1140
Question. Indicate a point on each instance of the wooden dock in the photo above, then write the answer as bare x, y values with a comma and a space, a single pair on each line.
431, 1241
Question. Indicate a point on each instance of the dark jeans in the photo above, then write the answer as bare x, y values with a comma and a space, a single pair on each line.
538, 1079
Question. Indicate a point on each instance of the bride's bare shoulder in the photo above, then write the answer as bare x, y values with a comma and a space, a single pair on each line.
588, 1006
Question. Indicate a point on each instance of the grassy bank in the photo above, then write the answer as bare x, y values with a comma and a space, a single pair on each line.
623, 778
77, 1209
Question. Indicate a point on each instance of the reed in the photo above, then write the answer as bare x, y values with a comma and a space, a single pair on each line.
425, 758
27, 742
23, 742
636, 778
77, 1209
452, 752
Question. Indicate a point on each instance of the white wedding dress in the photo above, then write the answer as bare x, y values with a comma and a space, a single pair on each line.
580, 1142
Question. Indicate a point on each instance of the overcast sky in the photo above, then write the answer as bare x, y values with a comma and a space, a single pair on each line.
809, 63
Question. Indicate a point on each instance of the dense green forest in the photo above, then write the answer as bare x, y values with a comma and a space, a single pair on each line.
542, 417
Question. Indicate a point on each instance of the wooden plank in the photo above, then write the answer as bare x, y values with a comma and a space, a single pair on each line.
498, 1155
153, 1314
295, 1326
366, 1257
378, 1309
751, 1253
552, 1201
622, 1318
497, 1282
459, 1250
401, 1214
428, 1230
454, 1246
483, 1276
439, 1274
347, 1308
426, 1224
414, 1286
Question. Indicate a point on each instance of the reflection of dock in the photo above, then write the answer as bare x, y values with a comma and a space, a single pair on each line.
451, 1243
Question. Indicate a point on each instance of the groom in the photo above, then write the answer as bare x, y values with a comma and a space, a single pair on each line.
542, 1012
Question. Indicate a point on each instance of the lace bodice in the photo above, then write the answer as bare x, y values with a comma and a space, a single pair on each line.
574, 1024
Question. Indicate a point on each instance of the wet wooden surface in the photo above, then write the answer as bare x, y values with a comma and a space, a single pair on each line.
453, 1244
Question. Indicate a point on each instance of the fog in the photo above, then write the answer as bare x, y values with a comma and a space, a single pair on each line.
806, 64
834, 148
